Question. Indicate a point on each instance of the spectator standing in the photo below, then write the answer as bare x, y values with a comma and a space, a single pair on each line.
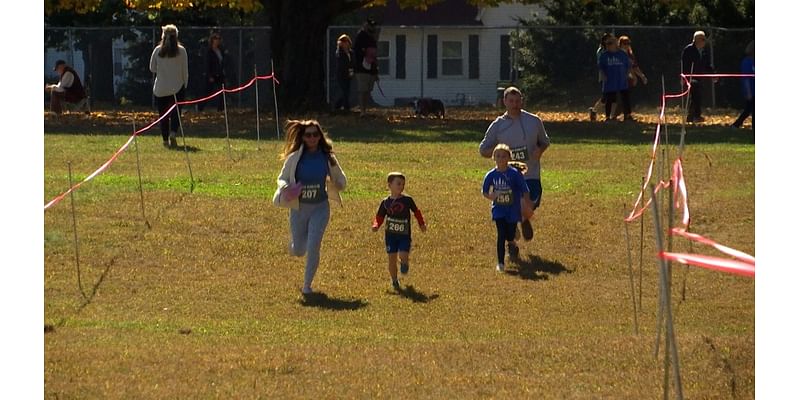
600, 50
614, 66
696, 59
635, 73
344, 72
748, 66
169, 63
366, 63
215, 70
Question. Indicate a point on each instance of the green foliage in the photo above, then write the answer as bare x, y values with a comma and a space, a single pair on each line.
559, 64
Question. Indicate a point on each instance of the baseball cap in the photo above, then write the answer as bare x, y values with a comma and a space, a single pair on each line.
59, 62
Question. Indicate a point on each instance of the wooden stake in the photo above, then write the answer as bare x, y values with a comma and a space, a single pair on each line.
630, 276
227, 130
258, 120
275, 100
139, 173
75, 232
185, 149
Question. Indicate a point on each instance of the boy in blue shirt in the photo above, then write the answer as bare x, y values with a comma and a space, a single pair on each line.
504, 185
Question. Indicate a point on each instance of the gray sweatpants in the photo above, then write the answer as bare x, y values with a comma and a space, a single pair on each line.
308, 225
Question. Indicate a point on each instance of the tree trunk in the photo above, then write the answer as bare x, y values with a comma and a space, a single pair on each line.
99, 80
298, 45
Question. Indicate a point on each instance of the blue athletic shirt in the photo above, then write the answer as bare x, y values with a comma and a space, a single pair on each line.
615, 65
510, 185
749, 67
312, 170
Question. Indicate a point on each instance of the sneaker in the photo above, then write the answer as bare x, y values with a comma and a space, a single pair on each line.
527, 230
513, 250
396, 285
306, 291
501, 267
403, 268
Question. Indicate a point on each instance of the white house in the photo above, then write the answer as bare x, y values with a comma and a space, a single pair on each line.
452, 51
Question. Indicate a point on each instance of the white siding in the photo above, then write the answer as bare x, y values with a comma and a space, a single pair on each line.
451, 90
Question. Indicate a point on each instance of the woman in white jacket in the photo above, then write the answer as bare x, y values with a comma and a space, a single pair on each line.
311, 175
170, 64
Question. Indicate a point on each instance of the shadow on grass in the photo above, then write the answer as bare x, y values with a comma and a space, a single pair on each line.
411, 293
536, 268
190, 149
322, 300
397, 127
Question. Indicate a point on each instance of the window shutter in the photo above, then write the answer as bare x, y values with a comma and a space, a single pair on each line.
474, 59
400, 57
433, 57
505, 58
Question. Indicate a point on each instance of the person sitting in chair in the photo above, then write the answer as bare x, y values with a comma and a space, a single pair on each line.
68, 89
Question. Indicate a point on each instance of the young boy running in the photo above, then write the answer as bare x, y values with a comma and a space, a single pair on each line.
396, 211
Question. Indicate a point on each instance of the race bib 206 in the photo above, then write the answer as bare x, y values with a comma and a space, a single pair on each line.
398, 226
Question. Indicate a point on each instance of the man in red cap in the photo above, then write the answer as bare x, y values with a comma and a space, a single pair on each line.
69, 88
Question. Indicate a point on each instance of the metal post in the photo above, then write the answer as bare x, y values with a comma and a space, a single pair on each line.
139, 173
641, 253
75, 231
239, 99
664, 122
630, 276
421, 62
153, 75
670, 343
275, 100
185, 149
227, 130
711, 56
258, 120
328, 65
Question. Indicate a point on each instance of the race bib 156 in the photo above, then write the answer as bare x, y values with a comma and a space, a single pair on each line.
504, 198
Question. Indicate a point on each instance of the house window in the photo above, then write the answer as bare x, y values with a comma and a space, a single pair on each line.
383, 57
452, 58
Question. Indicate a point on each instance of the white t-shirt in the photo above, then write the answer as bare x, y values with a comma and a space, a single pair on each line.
66, 82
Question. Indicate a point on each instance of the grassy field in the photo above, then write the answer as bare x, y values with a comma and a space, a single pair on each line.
205, 302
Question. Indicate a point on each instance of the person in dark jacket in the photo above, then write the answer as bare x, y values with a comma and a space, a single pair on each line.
696, 59
366, 63
748, 66
68, 89
344, 72
215, 70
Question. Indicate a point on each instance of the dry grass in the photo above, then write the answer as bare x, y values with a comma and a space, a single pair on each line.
206, 304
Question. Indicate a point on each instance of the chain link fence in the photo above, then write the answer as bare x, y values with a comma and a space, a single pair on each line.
461, 65
115, 62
